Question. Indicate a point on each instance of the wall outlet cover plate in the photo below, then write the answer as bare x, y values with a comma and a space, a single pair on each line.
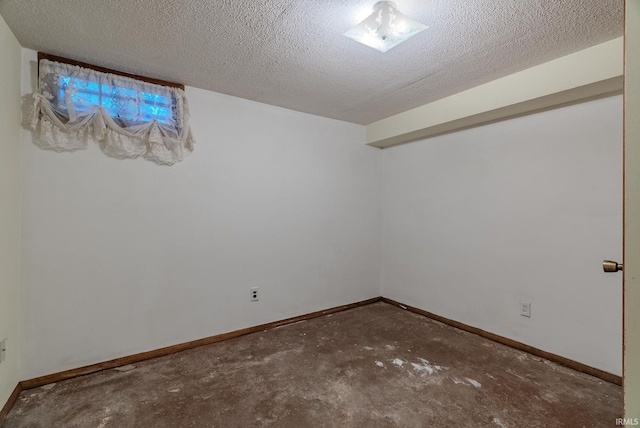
525, 309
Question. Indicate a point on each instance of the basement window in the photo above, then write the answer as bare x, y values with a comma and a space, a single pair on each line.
126, 115
125, 106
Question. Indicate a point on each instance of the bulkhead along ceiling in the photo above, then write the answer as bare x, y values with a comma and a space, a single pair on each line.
291, 53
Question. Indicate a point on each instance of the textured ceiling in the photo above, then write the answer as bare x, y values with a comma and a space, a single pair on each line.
292, 53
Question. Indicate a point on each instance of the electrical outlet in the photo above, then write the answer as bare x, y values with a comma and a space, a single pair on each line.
255, 296
3, 350
525, 309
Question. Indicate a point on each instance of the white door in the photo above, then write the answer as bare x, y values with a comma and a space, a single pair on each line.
632, 212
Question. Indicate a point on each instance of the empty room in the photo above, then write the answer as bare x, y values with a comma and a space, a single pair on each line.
307, 214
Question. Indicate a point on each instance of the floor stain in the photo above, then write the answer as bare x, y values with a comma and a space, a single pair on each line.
338, 371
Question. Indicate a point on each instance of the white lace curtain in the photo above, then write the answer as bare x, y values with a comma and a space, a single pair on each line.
126, 117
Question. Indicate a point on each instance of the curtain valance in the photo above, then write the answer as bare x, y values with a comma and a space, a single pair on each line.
126, 117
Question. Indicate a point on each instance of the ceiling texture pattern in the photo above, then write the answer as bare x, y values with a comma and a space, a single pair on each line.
291, 53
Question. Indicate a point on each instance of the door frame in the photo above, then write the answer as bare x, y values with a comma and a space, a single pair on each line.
631, 217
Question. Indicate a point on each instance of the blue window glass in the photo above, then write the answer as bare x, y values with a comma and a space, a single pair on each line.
127, 105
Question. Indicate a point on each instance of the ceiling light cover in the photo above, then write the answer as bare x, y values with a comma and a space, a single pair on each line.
385, 28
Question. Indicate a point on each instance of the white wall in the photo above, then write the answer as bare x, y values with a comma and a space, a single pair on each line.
10, 176
127, 256
528, 208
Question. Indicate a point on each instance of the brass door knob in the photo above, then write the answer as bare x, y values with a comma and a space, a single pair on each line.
611, 266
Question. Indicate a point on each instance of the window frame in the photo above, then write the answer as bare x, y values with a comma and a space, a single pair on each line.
42, 55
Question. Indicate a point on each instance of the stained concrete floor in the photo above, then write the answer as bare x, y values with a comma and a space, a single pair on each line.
374, 366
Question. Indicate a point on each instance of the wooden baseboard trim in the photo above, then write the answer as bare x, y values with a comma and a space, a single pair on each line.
9, 404
606, 376
136, 358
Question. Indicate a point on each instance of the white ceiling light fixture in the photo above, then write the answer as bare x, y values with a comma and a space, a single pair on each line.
385, 28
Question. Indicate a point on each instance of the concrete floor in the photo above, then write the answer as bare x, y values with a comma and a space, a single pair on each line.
374, 366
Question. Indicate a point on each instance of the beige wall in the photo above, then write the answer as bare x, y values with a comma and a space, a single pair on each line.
590, 73
10, 173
